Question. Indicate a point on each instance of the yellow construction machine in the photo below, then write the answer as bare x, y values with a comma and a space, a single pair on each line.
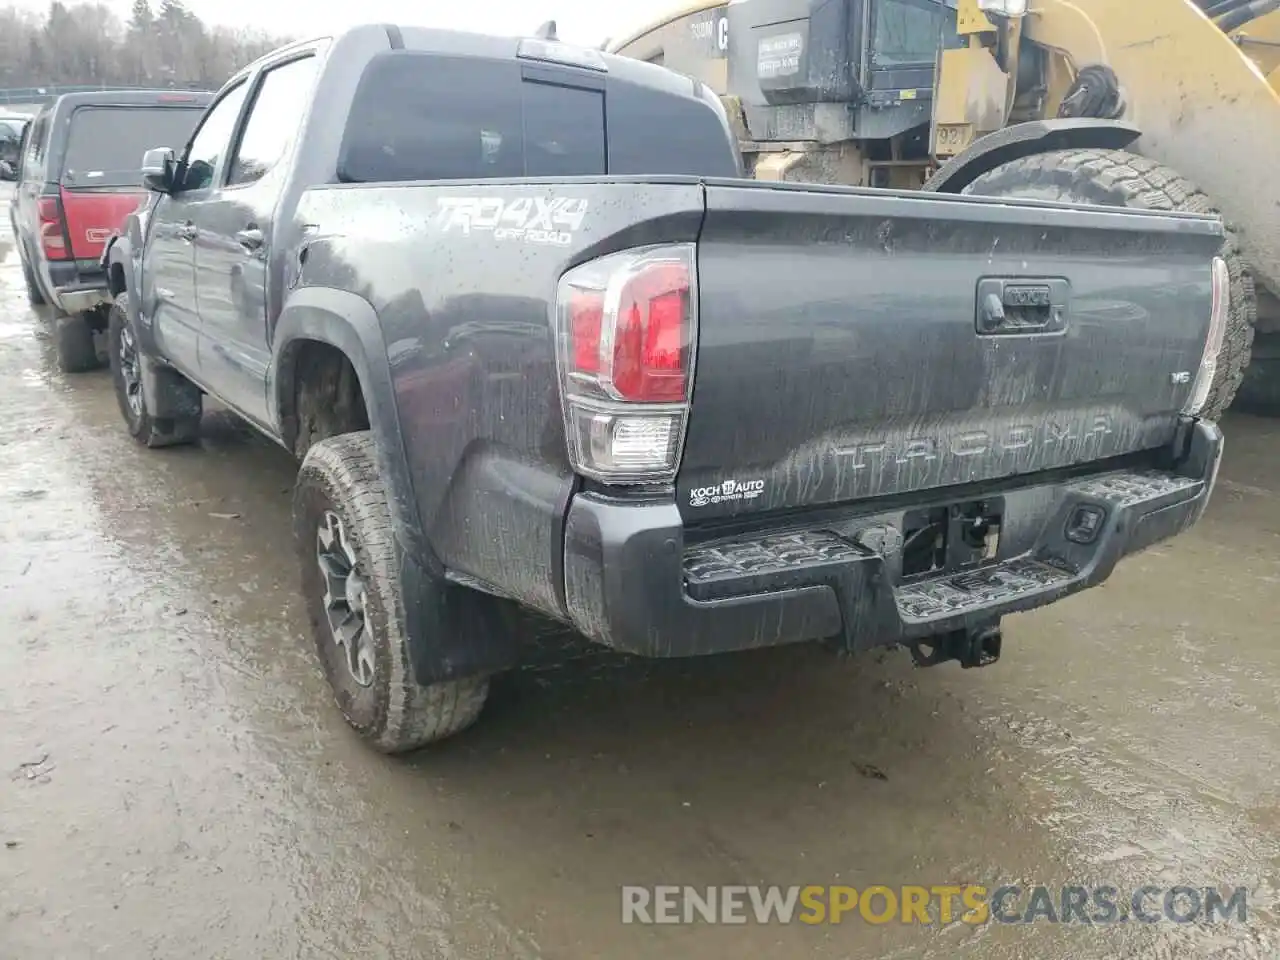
1171, 104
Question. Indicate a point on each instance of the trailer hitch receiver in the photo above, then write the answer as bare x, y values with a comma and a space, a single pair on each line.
974, 647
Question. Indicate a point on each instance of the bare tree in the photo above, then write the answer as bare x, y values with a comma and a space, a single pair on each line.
85, 43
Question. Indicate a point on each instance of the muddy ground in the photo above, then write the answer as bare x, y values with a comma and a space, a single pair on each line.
174, 780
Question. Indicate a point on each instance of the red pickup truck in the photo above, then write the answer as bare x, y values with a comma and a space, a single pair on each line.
77, 182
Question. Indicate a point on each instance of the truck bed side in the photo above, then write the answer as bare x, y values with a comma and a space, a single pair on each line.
463, 280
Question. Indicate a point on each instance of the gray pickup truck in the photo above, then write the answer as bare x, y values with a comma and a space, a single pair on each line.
537, 346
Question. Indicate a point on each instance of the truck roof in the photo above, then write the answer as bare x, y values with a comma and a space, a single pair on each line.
53, 125
466, 43
131, 98
630, 92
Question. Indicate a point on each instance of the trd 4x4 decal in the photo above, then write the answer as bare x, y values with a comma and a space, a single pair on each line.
530, 219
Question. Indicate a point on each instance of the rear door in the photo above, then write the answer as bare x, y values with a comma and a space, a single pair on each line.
849, 344
234, 227
100, 178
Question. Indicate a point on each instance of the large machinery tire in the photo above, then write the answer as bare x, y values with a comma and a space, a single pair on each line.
1260, 392
1118, 178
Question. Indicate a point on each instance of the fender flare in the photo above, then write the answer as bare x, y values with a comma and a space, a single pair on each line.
349, 323
118, 253
1025, 140
452, 633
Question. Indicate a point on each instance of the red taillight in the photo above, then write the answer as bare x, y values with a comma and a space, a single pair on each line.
628, 323
53, 233
632, 333
650, 343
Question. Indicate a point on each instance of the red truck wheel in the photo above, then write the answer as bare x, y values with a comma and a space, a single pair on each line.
34, 295
73, 342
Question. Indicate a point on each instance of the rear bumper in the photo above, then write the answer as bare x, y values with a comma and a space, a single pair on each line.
72, 290
80, 299
632, 583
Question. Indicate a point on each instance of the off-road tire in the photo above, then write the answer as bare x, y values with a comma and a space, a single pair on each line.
34, 294
147, 429
1118, 178
73, 343
1260, 392
394, 713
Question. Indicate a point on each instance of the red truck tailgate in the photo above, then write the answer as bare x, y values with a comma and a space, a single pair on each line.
100, 175
94, 215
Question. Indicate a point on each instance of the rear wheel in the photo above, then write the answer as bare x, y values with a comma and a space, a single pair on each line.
351, 586
1121, 179
73, 341
34, 295
136, 407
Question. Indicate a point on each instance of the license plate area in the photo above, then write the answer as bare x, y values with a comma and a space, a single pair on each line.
942, 540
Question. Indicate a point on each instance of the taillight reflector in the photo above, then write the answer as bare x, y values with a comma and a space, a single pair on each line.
586, 314
627, 328
53, 234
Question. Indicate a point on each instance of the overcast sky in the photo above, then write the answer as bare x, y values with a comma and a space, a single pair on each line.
581, 21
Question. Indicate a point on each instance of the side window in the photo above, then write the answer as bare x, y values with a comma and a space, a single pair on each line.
211, 139
35, 144
906, 32
24, 146
563, 131
273, 120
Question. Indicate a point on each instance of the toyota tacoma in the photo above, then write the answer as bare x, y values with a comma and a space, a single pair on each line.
538, 346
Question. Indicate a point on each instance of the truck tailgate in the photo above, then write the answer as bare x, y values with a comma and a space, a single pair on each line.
863, 344
93, 215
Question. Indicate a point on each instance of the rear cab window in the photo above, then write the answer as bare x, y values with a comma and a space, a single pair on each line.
420, 116
105, 143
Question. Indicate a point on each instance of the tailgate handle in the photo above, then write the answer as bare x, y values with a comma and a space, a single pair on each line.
1010, 307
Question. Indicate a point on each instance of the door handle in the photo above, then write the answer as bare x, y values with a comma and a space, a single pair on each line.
188, 231
250, 238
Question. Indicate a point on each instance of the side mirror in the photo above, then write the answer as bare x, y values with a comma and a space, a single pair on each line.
157, 169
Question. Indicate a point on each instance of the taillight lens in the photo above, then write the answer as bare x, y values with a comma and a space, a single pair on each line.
628, 326
1213, 345
650, 339
53, 235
